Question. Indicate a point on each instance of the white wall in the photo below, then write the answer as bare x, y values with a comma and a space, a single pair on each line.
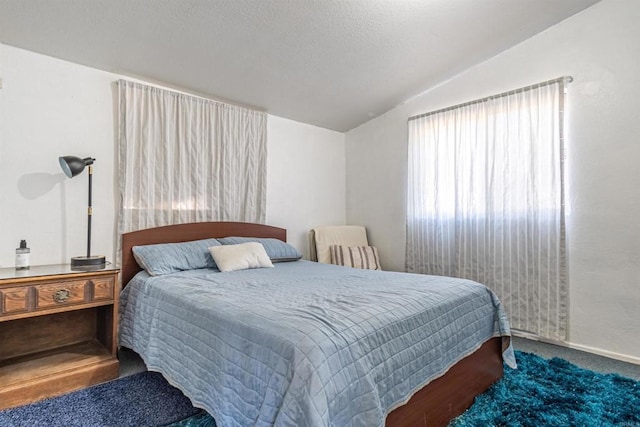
305, 179
600, 48
50, 107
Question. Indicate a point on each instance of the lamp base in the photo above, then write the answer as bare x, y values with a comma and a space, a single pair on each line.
84, 263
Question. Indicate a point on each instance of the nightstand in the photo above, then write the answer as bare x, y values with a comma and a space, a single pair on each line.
57, 331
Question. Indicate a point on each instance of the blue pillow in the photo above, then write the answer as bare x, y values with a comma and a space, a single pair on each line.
165, 258
277, 250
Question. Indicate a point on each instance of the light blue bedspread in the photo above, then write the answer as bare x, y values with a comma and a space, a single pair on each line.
305, 344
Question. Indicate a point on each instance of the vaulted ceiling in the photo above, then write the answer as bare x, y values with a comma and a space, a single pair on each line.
331, 63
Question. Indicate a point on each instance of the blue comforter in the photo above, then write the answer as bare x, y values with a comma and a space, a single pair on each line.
305, 344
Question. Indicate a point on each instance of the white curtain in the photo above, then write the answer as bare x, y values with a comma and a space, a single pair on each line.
188, 159
485, 201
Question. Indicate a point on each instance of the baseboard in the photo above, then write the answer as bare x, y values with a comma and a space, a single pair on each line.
600, 352
605, 353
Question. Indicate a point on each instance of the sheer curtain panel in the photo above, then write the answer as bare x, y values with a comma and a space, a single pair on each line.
188, 159
485, 201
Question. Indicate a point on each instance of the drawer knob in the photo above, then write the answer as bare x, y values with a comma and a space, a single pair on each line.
62, 295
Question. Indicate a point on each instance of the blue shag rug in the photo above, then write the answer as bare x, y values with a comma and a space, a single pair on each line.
555, 392
539, 393
140, 400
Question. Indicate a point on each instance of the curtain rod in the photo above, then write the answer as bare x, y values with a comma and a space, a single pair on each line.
563, 80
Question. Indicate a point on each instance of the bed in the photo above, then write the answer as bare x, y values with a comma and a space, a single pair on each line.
310, 344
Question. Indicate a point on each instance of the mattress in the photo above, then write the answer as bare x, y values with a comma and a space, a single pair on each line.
305, 344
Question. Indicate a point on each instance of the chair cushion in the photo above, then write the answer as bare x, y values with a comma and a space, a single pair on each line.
365, 257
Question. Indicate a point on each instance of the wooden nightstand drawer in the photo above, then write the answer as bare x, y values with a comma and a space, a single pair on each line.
52, 295
14, 300
103, 288
62, 293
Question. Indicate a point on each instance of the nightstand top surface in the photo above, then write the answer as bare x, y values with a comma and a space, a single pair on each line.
48, 270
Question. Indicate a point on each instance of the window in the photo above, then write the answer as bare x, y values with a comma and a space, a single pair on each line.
485, 201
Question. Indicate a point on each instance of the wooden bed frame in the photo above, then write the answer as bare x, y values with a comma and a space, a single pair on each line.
434, 405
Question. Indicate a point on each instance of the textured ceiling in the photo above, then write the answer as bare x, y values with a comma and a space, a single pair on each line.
331, 63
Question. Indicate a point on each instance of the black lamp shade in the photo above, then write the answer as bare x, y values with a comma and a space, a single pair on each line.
72, 165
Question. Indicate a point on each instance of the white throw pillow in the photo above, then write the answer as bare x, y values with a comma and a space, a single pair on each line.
240, 257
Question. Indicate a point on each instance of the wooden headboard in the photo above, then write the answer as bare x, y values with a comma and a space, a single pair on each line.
187, 232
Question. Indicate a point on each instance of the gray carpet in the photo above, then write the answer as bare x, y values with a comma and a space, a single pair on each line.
130, 362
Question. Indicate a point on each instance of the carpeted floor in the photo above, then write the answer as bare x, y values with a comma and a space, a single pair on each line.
141, 400
541, 392
554, 392
594, 362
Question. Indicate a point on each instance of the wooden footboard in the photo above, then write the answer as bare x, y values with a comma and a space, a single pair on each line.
450, 395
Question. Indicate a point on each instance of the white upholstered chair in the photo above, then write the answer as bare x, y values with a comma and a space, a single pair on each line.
321, 240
